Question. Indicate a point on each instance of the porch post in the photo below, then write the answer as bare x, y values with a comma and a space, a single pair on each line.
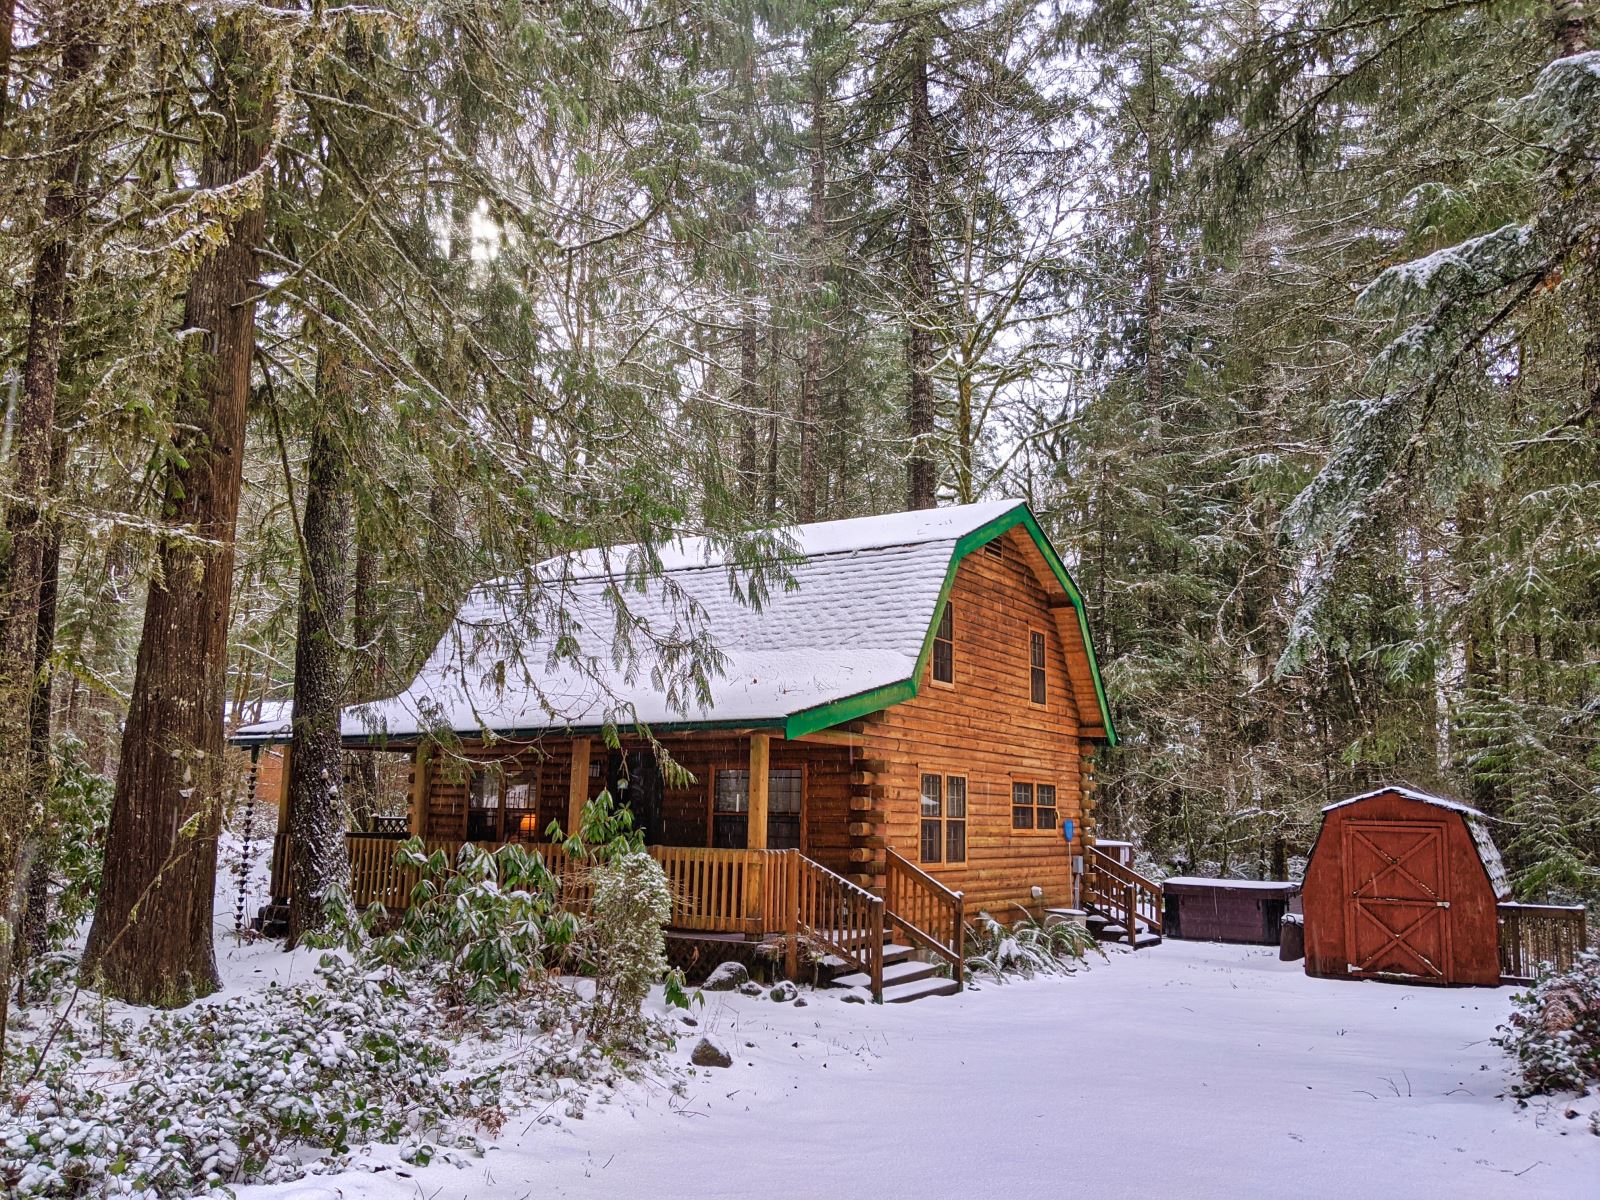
417, 814
283, 788
755, 837
578, 784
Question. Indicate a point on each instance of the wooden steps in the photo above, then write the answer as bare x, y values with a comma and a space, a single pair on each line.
904, 978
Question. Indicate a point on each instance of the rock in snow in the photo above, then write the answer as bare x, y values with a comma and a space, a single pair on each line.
708, 1053
784, 992
751, 988
726, 978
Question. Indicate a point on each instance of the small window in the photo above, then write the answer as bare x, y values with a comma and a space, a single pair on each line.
932, 812
995, 548
503, 805
1036, 686
1044, 813
955, 823
1033, 805
730, 806
944, 647
944, 819
785, 787
1022, 806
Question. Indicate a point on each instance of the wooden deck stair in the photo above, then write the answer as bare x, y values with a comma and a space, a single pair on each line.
1118, 900
904, 977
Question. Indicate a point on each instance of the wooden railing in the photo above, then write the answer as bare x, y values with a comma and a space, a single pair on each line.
1122, 894
928, 913
719, 891
836, 915
1531, 934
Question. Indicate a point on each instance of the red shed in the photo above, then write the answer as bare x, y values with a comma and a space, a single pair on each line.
1404, 885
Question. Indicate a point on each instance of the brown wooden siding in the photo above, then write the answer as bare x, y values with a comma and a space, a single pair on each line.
985, 728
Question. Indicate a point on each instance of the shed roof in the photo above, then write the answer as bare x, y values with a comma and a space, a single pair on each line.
849, 636
1477, 825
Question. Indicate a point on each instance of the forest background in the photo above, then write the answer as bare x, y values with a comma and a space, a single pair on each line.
1284, 318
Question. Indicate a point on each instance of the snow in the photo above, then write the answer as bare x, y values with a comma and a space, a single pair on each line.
1265, 885
1409, 794
597, 639
1190, 1069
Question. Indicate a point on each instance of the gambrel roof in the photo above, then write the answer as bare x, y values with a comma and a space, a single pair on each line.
848, 636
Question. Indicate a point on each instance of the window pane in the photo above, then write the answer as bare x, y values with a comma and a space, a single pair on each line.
484, 789
783, 791
783, 831
955, 796
1035, 648
944, 661
955, 841
930, 841
1022, 806
733, 792
932, 795
1046, 818
1036, 691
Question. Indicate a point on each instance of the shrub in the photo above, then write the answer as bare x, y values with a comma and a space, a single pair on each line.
1025, 948
227, 1092
1553, 1034
625, 944
489, 921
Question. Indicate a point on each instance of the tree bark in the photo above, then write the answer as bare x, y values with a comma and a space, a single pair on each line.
749, 441
151, 941
319, 858
27, 526
921, 472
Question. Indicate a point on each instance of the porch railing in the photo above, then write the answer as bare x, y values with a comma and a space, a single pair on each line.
1122, 894
1531, 934
927, 912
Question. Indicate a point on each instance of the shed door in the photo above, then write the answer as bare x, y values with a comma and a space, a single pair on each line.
1397, 881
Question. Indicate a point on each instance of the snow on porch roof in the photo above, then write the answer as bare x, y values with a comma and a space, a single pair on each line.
848, 638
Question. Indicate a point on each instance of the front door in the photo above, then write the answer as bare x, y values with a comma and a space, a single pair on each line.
1397, 908
634, 781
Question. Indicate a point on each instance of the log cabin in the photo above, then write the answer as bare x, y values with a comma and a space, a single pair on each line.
901, 733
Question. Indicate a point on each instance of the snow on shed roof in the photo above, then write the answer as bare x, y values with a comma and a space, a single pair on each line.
853, 622
1477, 826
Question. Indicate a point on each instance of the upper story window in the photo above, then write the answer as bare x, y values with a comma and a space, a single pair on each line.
1033, 805
944, 819
1036, 682
944, 646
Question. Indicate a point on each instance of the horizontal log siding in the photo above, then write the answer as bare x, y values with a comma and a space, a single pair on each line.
986, 729
686, 808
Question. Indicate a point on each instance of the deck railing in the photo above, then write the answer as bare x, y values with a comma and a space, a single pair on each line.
931, 915
1122, 894
1531, 934
842, 919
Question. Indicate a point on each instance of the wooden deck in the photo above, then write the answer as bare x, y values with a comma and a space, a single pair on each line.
749, 894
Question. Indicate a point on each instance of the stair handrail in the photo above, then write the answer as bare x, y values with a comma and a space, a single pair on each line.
1145, 893
932, 915
833, 912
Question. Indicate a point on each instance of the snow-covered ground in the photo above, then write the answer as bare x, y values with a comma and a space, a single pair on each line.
1190, 1070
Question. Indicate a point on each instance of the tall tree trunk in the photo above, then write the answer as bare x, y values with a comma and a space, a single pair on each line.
27, 527
316, 813
921, 473
817, 230
151, 938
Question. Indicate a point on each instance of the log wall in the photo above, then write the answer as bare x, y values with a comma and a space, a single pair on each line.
985, 728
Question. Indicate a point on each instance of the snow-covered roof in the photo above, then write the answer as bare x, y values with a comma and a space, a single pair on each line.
1226, 885
1477, 825
1409, 794
594, 637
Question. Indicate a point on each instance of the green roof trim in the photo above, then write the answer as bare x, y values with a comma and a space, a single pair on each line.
837, 712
